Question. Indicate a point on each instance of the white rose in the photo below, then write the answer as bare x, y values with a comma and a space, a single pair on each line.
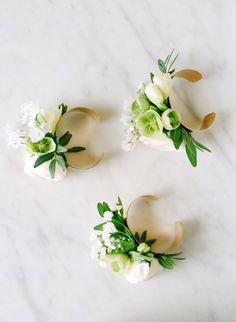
164, 82
154, 94
141, 271
42, 170
161, 142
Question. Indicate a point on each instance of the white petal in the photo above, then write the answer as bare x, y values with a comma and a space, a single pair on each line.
154, 94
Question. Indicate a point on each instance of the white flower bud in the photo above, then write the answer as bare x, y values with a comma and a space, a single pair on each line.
164, 82
154, 94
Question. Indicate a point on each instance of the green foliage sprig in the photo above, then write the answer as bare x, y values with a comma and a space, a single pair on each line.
58, 156
178, 135
137, 247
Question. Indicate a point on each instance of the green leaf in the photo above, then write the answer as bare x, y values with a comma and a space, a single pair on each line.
100, 209
49, 135
161, 65
60, 160
99, 227
60, 148
200, 146
166, 262
177, 137
143, 236
150, 242
106, 207
103, 207
65, 138
169, 57
63, 108
172, 63
43, 158
136, 236
119, 203
76, 149
52, 168
173, 255
65, 159
191, 152
151, 76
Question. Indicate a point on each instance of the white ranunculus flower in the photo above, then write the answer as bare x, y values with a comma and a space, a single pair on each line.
42, 170
161, 143
154, 94
164, 82
48, 119
141, 271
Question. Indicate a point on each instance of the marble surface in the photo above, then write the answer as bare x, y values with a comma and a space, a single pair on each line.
95, 53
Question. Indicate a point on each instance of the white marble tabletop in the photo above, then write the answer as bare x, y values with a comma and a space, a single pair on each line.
95, 53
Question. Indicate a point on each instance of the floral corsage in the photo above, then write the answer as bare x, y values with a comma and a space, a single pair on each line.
47, 149
156, 117
130, 254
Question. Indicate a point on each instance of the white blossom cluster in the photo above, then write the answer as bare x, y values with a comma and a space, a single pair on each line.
104, 243
35, 122
131, 133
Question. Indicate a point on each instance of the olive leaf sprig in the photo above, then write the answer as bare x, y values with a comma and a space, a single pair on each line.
122, 241
166, 65
180, 135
